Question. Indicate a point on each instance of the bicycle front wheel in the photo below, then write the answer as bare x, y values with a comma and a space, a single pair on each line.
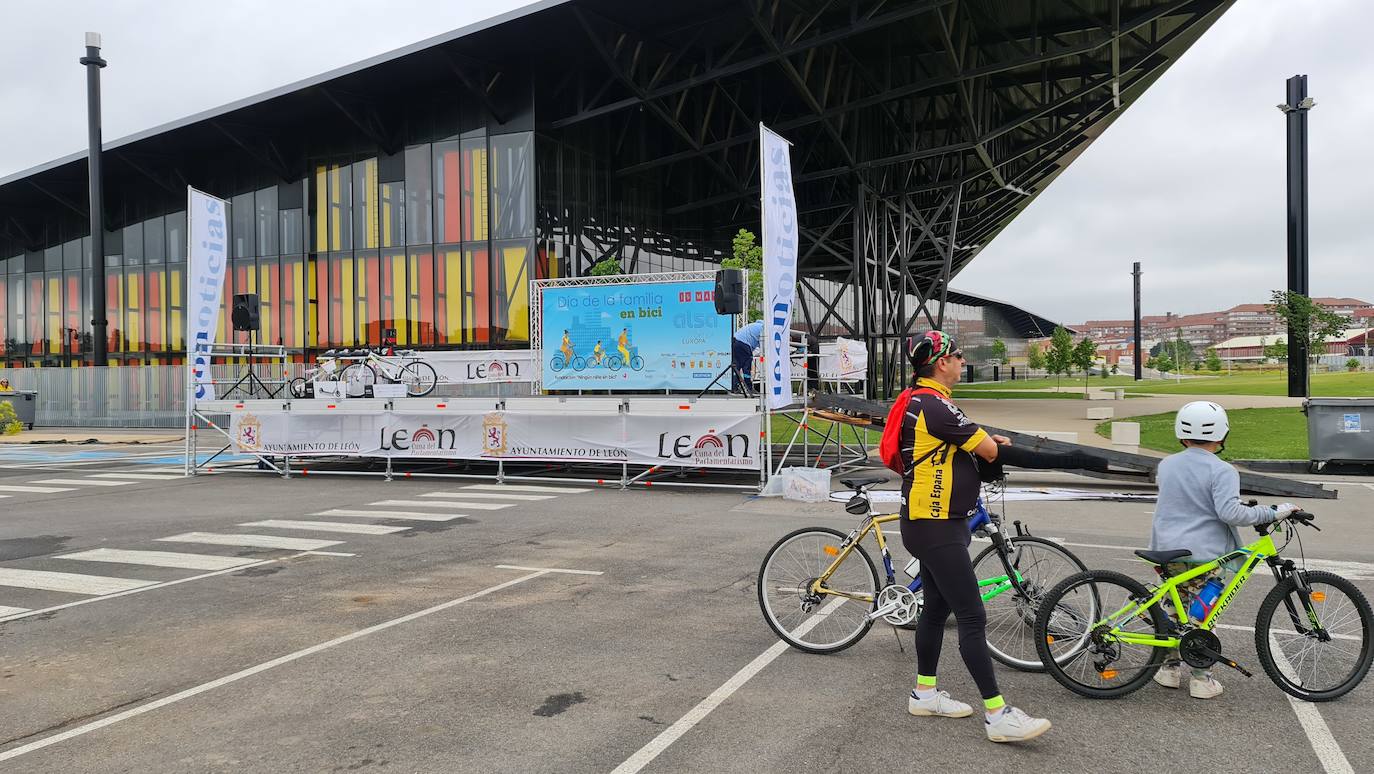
1296, 656
1082, 648
419, 378
356, 376
1011, 612
817, 623
296, 387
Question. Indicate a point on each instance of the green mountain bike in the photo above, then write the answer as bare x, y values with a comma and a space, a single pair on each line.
1104, 634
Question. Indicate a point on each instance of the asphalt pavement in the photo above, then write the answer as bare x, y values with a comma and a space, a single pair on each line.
436, 625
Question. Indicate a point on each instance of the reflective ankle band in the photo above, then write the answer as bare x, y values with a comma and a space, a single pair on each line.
995, 703
925, 680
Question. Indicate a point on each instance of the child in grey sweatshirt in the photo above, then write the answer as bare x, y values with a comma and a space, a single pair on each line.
1198, 510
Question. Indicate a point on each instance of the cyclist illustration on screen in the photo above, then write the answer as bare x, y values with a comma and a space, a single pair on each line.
566, 348
623, 344
598, 354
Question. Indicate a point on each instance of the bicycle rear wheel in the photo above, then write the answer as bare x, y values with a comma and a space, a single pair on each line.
419, 378
817, 623
356, 376
1011, 612
296, 387
1302, 664
1075, 641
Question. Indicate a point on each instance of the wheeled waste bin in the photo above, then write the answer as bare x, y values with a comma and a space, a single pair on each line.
1339, 430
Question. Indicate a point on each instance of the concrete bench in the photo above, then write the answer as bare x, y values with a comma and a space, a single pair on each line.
1126, 436
1101, 413
1101, 396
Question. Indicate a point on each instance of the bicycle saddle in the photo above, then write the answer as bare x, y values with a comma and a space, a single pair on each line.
1163, 557
859, 483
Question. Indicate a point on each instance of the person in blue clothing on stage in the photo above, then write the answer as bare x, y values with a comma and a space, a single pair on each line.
742, 348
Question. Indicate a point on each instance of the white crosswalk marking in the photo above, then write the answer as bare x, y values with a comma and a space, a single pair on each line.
33, 489
68, 582
138, 476
160, 559
252, 541
443, 504
81, 482
326, 526
4, 611
489, 495
524, 488
402, 515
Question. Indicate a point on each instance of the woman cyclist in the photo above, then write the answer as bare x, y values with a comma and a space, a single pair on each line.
941, 452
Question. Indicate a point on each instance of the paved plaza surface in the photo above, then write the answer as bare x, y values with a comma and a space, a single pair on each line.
242, 622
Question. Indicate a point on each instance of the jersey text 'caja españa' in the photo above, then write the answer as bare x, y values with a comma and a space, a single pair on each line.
941, 479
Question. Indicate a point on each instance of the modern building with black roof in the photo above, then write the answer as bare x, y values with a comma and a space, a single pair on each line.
424, 188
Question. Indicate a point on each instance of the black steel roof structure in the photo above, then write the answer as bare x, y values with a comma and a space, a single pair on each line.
920, 128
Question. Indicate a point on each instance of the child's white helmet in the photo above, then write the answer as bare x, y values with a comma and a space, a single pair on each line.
1201, 420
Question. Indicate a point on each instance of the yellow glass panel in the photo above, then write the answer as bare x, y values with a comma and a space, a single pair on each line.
335, 204
176, 333
133, 319
349, 329
55, 335
517, 290
398, 296
453, 296
312, 306
370, 180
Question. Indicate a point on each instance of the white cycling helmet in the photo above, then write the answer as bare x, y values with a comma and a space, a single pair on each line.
1201, 420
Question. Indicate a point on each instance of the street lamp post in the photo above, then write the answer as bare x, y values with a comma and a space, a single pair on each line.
94, 63
1295, 113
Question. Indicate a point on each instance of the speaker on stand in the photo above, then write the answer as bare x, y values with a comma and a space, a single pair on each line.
729, 298
246, 316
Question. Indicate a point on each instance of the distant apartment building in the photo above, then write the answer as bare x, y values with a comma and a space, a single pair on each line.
1210, 328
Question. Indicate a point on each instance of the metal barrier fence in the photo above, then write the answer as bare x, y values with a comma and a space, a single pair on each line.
155, 395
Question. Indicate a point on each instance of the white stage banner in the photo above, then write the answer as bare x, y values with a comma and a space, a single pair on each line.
843, 359
689, 440
779, 264
207, 237
496, 366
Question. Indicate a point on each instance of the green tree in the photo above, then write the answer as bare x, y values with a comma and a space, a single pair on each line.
1278, 351
1059, 357
748, 255
1162, 363
9, 420
1352, 364
1213, 360
1083, 356
1180, 351
607, 267
1307, 320
999, 351
1035, 357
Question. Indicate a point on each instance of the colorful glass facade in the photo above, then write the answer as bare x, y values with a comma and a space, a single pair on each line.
437, 242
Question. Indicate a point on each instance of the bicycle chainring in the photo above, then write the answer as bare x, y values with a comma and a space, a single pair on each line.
908, 604
1194, 643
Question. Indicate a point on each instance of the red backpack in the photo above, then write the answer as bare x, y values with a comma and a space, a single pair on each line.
890, 447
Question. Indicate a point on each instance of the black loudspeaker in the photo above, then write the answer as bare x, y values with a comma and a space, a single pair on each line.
729, 291
245, 314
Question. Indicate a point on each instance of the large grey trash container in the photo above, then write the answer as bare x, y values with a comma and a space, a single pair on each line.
1340, 429
25, 404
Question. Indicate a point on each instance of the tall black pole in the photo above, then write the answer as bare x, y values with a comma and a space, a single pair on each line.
1295, 109
93, 64
1138, 357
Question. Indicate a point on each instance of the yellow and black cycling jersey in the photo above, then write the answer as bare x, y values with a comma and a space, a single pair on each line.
941, 479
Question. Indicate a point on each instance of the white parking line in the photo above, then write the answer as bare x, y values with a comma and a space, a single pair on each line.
138, 476
443, 504
672, 733
249, 672
68, 582
160, 559
1333, 760
4, 611
81, 482
526, 488
326, 526
33, 489
380, 514
253, 541
490, 495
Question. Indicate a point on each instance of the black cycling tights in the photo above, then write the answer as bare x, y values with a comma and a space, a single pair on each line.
950, 586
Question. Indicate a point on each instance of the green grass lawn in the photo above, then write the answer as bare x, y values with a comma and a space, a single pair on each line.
784, 428
1256, 434
1327, 385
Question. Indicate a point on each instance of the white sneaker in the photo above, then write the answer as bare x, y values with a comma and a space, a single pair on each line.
1205, 687
1169, 676
940, 705
1013, 725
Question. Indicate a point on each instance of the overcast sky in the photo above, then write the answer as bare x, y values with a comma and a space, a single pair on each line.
1190, 181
